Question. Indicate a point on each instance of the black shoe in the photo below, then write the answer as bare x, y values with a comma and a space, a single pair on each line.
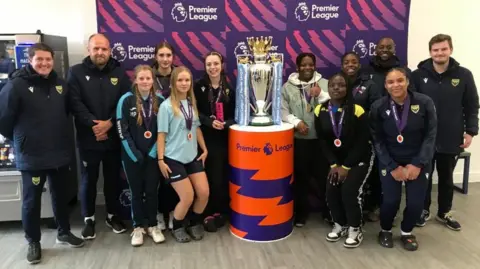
71, 240
423, 218
449, 221
338, 231
409, 242
385, 239
209, 224
196, 232
88, 231
116, 224
300, 221
220, 220
34, 253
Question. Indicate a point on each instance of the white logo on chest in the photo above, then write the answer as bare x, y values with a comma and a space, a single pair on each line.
30, 89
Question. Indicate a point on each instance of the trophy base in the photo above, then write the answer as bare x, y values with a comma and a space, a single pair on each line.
261, 121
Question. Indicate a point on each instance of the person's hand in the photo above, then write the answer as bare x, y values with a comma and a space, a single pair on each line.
467, 140
315, 91
203, 157
302, 128
101, 137
218, 125
412, 172
333, 176
398, 174
164, 169
342, 174
101, 127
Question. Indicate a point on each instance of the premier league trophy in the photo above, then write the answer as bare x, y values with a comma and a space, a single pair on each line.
259, 84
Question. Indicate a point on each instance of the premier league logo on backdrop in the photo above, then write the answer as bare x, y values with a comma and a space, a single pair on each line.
118, 52
179, 13
360, 48
302, 12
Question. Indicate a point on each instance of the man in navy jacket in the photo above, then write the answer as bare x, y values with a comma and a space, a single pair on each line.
453, 91
95, 86
33, 113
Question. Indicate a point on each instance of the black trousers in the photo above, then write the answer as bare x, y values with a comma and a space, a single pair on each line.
373, 189
445, 164
143, 179
345, 200
32, 184
392, 196
310, 170
216, 168
90, 169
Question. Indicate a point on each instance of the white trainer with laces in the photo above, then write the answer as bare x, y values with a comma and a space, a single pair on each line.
156, 234
137, 236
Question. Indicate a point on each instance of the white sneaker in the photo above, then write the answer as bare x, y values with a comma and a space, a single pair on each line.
156, 234
170, 221
355, 237
337, 232
161, 222
137, 236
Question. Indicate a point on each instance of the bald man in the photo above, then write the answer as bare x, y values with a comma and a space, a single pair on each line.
96, 86
385, 59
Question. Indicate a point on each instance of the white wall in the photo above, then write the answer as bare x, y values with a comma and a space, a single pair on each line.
76, 19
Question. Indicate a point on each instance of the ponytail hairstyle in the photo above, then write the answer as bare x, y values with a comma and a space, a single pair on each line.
223, 77
174, 93
138, 96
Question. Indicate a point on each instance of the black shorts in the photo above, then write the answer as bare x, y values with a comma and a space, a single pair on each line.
180, 171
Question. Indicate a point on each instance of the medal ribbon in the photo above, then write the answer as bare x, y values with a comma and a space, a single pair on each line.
401, 122
147, 119
189, 116
337, 128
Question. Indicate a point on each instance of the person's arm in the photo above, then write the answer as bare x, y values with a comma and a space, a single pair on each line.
374, 93
9, 109
125, 86
470, 106
427, 148
378, 135
362, 135
153, 150
285, 109
204, 119
124, 131
163, 124
78, 108
327, 152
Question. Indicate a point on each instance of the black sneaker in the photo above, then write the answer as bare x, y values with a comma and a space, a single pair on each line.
209, 224
34, 253
71, 240
423, 218
385, 239
355, 237
116, 224
300, 221
88, 231
449, 221
409, 242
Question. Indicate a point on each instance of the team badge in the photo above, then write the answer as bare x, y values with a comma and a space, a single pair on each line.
114, 81
30, 89
36, 180
59, 89
455, 82
227, 91
384, 172
415, 108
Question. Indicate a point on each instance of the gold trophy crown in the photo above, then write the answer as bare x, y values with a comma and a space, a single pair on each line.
260, 45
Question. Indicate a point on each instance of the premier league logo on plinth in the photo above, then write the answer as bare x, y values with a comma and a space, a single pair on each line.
259, 84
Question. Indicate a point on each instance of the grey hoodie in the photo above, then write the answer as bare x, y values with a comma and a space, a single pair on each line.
294, 104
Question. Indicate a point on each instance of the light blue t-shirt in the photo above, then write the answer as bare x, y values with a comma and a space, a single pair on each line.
177, 145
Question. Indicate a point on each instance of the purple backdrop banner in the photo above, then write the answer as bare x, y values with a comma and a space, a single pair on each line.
327, 28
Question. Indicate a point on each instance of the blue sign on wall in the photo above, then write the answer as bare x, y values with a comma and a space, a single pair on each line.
21, 55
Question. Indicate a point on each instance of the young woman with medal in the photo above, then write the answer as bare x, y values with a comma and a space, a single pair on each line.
179, 136
365, 92
163, 67
137, 127
301, 93
216, 108
344, 135
403, 126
